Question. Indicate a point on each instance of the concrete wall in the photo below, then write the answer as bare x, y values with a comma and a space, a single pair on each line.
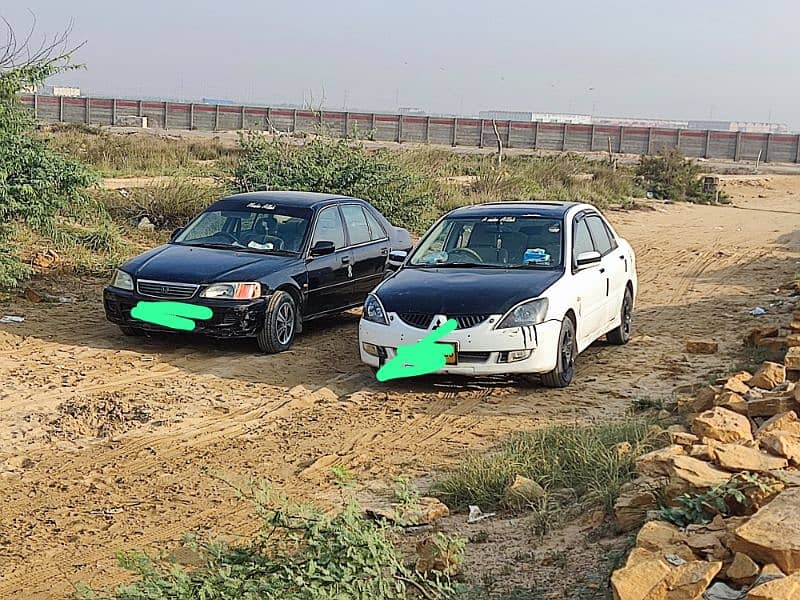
419, 129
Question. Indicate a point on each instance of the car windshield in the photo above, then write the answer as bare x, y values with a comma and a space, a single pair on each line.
502, 241
270, 229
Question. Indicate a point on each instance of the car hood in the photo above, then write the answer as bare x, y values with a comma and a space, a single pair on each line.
462, 291
192, 264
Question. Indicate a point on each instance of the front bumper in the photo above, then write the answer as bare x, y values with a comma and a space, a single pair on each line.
480, 349
232, 318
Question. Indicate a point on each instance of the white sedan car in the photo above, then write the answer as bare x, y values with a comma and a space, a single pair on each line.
530, 284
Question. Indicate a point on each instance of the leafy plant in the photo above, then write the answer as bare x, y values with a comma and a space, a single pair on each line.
669, 175
722, 499
300, 553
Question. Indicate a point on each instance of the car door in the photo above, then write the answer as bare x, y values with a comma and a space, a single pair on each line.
330, 277
589, 284
613, 267
369, 244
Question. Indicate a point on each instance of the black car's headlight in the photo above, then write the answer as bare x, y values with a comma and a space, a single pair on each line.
531, 312
373, 310
122, 280
233, 291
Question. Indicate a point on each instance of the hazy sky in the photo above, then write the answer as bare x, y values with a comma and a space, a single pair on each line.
724, 59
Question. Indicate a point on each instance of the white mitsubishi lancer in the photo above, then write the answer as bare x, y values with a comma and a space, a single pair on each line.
530, 285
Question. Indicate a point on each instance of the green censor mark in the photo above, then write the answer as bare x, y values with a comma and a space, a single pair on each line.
175, 315
426, 356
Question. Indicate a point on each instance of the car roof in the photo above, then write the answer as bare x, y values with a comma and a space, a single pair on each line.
515, 208
285, 198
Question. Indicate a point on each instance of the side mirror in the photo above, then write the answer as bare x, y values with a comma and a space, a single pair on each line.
323, 248
397, 256
588, 259
175, 233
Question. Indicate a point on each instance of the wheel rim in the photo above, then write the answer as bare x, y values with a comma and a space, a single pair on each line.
567, 351
284, 323
627, 317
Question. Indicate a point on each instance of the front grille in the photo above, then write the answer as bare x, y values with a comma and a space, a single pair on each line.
473, 357
166, 290
423, 321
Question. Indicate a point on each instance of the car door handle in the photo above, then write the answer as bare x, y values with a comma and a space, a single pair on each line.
384, 251
345, 260
602, 269
622, 257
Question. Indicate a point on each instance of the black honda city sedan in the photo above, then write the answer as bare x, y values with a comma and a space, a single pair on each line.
263, 263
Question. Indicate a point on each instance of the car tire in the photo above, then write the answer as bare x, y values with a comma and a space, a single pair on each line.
567, 351
280, 324
619, 336
131, 331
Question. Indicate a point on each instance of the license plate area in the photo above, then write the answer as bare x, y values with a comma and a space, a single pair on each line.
452, 357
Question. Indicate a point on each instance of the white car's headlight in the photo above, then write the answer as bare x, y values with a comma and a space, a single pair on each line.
531, 312
122, 280
233, 291
373, 310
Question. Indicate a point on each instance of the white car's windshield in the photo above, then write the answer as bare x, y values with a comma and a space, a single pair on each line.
494, 241
280, 229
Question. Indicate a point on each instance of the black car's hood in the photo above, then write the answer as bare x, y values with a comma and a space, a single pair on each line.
193, 264
453, 291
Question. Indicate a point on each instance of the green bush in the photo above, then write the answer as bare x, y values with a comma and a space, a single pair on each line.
580, 458
300, 553
336, 167
671, 176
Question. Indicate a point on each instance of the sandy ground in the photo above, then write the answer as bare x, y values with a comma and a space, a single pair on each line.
106, 443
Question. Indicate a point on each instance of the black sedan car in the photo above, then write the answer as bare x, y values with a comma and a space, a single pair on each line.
264, 263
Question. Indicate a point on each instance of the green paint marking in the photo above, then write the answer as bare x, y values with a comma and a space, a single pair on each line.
426, 356
175, 315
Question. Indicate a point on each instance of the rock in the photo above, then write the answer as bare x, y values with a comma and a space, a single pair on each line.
622, 448
722, 591
737, 385
772, 534
523, 491
697, 474
768, 573
683, 438
703, 399
656, 463
783, 444
435, 554
723, 425
792, 358
702, 347
732, 401
768, 375
785, 421
635, 500
769, 406
735, 457
777, 344
702, 452
146, 224
689, 580
742, 570
783, 588
708, 543
657, 535
645, 579
793, 339
19, 462
759, 333
425, 511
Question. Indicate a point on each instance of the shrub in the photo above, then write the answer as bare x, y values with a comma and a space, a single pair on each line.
582, 458
300, 553
335, 167
669, 175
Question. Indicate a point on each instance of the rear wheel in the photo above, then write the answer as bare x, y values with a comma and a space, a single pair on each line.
621, 335
567, 350
131, 331
280, 324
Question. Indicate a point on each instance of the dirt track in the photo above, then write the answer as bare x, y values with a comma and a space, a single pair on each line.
105, 442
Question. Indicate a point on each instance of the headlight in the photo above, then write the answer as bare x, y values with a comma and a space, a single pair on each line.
373, 310
122, 280
233, 291
531, 312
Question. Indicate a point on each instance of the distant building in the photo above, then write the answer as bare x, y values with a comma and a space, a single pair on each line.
743, 126
506, 115
412, 111
545, 117
55, 90
222, 101
639, 122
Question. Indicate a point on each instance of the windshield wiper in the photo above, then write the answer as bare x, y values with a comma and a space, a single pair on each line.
460, 265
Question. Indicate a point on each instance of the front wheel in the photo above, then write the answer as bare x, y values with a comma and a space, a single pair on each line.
131, 331
280, 324
567, 350
621, 335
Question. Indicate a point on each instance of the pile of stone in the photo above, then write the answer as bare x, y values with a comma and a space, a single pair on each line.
744, 423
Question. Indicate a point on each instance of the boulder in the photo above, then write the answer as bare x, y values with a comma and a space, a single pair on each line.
702, 347
742, 570
782, 443
425, 511
702, 399
657, 463
635, 500
708, 544
793, 339
736, 384
703, 452
759, 333
657, 535
435, 554
732, 401
622, 449
792, 358
722, 591
783, 588
769, 406
523, 491
772, 534
735, 457
645, 579
723, 425
684, 438
785, 421
696, 474
689, 580
768, 376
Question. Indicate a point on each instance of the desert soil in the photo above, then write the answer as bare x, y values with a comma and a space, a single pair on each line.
110, 443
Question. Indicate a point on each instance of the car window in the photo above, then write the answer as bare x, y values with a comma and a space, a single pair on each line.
356, 223
602, 243
329, 228
376, 229
583, 241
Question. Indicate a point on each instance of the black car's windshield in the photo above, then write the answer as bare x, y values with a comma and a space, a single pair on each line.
499, 241
269, 228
